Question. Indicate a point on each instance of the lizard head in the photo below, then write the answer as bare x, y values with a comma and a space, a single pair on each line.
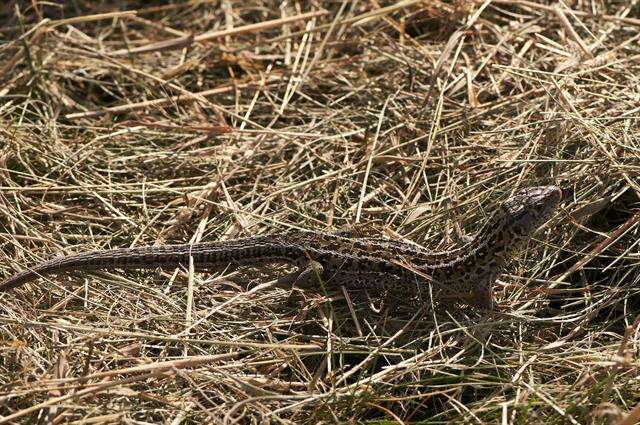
528, 209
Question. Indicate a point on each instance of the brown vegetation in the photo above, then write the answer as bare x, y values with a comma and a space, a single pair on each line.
126, 125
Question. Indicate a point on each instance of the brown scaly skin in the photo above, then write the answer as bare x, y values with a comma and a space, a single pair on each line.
356, 263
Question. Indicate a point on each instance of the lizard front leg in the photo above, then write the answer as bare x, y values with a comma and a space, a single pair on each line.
483, 291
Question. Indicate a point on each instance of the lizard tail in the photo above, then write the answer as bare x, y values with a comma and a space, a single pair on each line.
210, 255
123, 258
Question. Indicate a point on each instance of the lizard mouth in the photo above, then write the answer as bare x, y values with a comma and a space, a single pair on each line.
554, 195
552, 199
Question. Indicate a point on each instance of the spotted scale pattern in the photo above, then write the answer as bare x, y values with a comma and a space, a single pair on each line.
356, 263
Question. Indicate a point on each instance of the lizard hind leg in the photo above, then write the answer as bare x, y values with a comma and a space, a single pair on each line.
308, 275
311, 275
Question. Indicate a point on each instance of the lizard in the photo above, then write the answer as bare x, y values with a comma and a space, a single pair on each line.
338, 260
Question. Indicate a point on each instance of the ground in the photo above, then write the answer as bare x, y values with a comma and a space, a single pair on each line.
140, 123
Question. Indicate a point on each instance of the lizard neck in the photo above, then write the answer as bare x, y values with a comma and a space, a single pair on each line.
478, 262
492, 247
493, 238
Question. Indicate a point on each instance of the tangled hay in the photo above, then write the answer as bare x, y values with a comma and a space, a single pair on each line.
205, 120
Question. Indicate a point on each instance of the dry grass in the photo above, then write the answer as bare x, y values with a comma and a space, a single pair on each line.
185, 121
